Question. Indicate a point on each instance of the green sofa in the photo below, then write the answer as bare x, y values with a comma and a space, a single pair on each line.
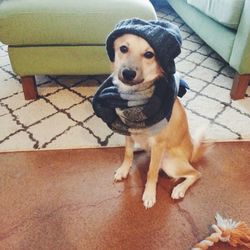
62, 37
225, 26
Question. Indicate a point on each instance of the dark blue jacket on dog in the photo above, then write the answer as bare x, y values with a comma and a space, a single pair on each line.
158, 107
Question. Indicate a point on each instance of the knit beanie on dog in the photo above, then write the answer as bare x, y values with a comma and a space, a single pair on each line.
162, 36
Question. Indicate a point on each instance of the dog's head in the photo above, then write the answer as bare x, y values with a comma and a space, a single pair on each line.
135, 60
142, 50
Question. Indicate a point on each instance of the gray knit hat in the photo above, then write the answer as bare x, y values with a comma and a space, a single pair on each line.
162, 36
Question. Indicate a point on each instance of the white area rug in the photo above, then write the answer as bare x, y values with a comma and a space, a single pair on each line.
63, 117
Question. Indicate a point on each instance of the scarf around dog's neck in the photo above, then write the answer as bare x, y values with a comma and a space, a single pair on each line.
126, 112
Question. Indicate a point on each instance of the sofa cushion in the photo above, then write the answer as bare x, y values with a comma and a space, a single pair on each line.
46, 22
226, 12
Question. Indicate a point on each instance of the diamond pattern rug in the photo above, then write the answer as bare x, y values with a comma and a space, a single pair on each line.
63, 117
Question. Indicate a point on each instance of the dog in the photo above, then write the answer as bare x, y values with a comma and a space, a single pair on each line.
135, 67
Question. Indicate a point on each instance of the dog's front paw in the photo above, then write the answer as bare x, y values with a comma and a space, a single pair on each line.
149, 197
178, 192
121, 173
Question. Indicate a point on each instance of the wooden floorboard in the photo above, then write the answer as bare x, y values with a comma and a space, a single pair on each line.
66, 199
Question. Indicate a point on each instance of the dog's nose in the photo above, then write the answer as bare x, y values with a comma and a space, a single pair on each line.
128, 74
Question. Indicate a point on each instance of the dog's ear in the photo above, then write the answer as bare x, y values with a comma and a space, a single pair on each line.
167, 45
171, 36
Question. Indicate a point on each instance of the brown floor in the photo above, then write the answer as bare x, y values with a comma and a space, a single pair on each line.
67, 200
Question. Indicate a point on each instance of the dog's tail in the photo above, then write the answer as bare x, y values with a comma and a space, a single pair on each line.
200, 147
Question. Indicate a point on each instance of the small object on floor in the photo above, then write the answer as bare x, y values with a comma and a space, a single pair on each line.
226, 230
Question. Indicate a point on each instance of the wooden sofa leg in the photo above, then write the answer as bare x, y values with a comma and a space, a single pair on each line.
29, 87
239, 87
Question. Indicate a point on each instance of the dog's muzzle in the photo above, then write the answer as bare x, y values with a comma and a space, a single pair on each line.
128, 76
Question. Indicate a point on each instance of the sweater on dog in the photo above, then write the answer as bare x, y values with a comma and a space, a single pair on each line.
126, 112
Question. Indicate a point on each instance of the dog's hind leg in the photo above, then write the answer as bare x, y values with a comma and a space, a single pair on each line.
122, 171
180, 168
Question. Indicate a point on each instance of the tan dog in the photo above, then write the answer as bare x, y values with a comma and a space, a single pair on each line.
171, 149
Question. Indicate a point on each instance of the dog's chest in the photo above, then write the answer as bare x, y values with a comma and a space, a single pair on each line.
142, 141
145, 138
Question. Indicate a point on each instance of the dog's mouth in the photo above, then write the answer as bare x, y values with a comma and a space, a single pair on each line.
130, 82
129, 76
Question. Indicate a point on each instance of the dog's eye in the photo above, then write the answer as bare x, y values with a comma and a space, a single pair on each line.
124, 49
148, 54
